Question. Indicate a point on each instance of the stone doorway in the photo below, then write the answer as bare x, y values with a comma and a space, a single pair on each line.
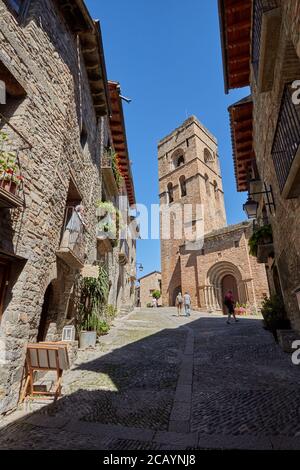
45, 315
229, 283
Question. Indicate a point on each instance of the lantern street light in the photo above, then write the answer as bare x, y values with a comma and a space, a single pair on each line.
140, 267
251, 206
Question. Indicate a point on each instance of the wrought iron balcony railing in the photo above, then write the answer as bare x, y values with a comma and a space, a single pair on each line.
285, 151
72, 245
259, 8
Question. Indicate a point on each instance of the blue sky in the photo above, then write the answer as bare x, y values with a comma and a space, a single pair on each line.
167, 57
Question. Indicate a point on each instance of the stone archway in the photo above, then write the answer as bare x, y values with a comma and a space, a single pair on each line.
221, 276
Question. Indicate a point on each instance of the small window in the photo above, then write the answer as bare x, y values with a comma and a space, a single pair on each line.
236, 244
182, 182
170, 193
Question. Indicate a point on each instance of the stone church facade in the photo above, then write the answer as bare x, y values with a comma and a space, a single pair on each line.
189, 174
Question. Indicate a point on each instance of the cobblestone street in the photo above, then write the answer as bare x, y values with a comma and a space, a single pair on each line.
157, 381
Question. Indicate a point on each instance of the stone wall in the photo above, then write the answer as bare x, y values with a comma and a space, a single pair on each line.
42, 54
285, 222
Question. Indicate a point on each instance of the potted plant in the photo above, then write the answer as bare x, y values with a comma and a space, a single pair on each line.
113, 158
94, 294
262, 236
110, 222
10, 178
240, 309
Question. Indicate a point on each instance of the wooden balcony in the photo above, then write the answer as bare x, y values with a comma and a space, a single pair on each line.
265, 40
9, 199
286, 146
108, 174
72, 245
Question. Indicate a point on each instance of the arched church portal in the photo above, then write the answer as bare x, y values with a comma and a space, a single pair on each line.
221, 278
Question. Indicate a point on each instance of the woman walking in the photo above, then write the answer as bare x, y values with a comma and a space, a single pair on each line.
229, 302
179, 303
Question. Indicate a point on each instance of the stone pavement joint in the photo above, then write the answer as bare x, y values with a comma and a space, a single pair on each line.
181, 412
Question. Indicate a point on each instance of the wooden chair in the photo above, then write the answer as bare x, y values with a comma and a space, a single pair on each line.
45, 357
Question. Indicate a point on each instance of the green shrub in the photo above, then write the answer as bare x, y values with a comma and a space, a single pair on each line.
103, 328
156, 294
110, 312
274, 315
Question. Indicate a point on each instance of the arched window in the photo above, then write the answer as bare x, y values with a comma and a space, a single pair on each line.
182, 182
170, 193
208, 156
178, 158
207, 184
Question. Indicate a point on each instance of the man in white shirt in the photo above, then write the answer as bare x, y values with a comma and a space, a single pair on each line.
187, 304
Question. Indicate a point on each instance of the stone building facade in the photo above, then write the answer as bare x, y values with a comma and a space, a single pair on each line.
55, 115
271, 66
147, 285
207, 263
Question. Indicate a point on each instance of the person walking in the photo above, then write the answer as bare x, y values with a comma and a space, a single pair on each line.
229, 302
179, 303
187, 304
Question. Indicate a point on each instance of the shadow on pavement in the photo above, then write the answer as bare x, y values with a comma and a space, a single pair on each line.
243, 385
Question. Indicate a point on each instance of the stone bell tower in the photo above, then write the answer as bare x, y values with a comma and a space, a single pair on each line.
189, 173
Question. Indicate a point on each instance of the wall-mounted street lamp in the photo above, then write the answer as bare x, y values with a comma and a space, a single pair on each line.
140, 267
251, 206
